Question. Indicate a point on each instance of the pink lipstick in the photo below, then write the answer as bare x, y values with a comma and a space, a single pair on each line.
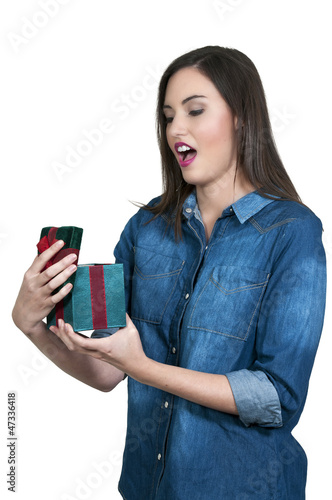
186, 153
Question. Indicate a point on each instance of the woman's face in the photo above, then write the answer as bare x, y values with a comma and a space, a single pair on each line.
201, 129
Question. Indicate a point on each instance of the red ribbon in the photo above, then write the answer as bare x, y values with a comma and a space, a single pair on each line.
46, 242
98, 298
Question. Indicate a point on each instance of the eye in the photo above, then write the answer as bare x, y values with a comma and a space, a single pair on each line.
168, 119
196, 112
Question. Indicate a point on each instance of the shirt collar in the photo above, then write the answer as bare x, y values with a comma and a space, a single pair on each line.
244, 208
249, 205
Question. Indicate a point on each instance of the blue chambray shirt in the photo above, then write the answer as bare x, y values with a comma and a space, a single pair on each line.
249, 304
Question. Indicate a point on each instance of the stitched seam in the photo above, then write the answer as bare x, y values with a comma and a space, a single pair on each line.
196, 234
122, 493
253, 314
217, 332
198, 298
156, 461
157, 276
157, 321
217, 241
154, 322
225, 291
278, 224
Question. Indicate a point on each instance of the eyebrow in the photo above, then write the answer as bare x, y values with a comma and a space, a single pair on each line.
186, 100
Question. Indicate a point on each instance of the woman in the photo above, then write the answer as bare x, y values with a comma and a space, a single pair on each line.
225, 285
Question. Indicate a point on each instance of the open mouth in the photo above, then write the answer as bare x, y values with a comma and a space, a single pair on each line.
185, 152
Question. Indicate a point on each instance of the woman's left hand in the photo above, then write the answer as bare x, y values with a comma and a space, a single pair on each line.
123, 349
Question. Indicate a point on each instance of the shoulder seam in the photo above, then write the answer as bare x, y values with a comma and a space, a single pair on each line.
278, 224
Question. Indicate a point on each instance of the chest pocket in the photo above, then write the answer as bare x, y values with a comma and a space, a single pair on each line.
229, 301
154, 281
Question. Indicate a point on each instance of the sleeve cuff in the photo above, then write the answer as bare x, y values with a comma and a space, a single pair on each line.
256, 398
99, 334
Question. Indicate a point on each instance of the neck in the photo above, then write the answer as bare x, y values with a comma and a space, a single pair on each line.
212, 200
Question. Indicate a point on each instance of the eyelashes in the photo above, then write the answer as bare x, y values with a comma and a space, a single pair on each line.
194, 112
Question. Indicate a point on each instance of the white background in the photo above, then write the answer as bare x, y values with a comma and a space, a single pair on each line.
62, 73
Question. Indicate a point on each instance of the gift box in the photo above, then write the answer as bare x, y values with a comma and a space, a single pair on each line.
71, 235
97, 300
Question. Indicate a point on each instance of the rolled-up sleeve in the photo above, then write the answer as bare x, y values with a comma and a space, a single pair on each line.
273, 390
256, 398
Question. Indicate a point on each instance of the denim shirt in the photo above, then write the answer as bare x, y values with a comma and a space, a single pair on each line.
248, 304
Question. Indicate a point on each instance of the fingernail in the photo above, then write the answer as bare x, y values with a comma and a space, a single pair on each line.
59, 243
67, 287
73, 257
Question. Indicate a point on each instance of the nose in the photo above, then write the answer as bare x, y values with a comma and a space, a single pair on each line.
177, 127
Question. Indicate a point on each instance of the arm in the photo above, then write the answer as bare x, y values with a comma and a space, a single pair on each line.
273, 390
212, 391
35, 301
124, 351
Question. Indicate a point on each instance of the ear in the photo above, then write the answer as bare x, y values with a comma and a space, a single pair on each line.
238, 123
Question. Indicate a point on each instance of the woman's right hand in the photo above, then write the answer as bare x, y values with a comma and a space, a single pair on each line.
35, 300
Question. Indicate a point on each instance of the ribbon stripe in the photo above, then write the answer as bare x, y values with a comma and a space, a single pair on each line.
98, 297
46, 242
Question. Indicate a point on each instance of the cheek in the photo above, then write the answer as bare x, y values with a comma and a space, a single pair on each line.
168, 137
216, 137
219, 133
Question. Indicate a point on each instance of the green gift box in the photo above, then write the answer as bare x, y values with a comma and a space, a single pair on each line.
71, 235
97, 300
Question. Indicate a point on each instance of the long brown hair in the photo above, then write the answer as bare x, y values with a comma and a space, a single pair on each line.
238, 81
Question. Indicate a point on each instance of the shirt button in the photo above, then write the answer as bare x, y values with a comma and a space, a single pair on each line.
231, 210
173, 350
159, 456
188, 210
187, 296
166, 404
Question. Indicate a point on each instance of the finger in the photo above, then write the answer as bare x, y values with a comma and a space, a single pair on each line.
79, 343
61, 294
41, 260
52, 284
62, 332
57, 268
65, 330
